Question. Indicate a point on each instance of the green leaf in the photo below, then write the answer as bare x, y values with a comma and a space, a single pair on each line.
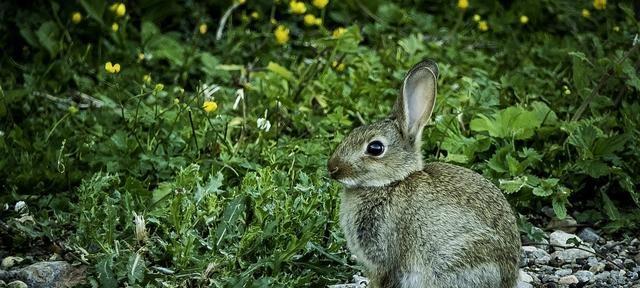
105, 273
167, 47
280, 70
95, 9
148, 31
609, 208
135, 268
511, 122
49, 36
559, 207
514, 185
209, 63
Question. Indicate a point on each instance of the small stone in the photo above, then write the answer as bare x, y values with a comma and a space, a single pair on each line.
536, 255
568, 280
629, 264
584, 276
570, 255
550, 278
567, 224
563, 272
10, 261
602, 276
597, 268
617, 263
633, 276
592, 261
17, 284
560, 238
589, 235
524, 276
635, 242
522, 284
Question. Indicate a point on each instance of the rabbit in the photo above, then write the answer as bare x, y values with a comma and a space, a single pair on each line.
420, 225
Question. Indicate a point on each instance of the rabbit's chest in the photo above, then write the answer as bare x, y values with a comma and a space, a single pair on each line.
368, 228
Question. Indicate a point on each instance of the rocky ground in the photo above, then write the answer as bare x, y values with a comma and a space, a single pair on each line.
564, 259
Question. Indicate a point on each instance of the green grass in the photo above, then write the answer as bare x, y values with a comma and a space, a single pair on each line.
548, 110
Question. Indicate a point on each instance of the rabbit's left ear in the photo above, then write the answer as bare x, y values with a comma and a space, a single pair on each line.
418, 98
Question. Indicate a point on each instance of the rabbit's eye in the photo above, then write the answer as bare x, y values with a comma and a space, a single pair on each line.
375, 148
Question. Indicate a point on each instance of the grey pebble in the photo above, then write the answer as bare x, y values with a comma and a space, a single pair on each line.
584, 276
589, 235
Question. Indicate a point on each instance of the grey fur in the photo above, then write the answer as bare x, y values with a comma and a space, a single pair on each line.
414, 225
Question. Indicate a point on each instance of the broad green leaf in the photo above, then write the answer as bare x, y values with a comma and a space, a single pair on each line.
280, 70
95, 9
148, 31
49, 37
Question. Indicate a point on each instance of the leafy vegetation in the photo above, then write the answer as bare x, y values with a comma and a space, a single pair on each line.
158, 150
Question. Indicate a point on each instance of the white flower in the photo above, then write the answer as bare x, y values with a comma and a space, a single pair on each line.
264, 124
20, 207
208, 91
239, 97
140, 227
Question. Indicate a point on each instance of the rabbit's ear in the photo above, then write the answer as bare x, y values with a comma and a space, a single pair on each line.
418, 98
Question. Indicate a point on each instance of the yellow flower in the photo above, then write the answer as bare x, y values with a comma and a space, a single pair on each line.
616, 28
203, 28
339, 67
599, 4
115, 27
297, 7
73, 109
159, 87
320, 3
337, 33
282, 34
76, 17
140, 57
273, 21
524, 19
176, 101
483, 26
255, 15
586, 13
311, 20
121, 10
240, 2
463, 4
113, 7
209, 106
112, 68
477, 18
146, 78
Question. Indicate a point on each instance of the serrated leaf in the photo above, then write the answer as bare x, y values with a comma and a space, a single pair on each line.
514, 185
559, 207
135, 268
105, 272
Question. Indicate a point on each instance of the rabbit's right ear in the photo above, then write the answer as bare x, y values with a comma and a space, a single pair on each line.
413, 108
